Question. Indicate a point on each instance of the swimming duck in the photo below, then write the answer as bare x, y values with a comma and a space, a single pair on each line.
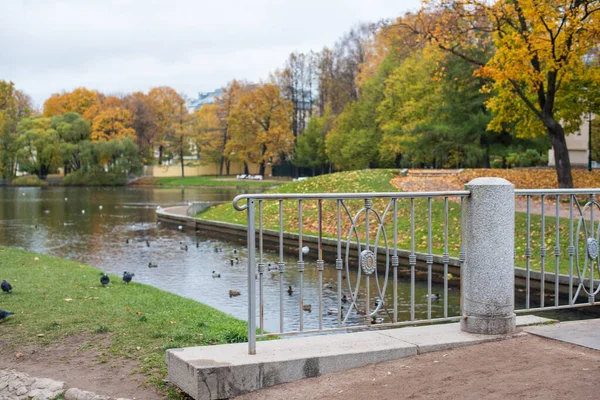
434, 296
215, 274
233, 293
376, 320
307, 307
150, 265
327, 286
290, 290
344, 299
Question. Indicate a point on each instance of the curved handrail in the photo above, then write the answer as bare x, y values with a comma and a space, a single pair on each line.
341, 196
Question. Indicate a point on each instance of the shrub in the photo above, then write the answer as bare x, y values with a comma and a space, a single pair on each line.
533, 157
496, 162
28, 180
95, 177
512, 160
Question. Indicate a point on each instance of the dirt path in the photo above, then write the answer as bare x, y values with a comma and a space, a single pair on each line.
527, 367
83, 363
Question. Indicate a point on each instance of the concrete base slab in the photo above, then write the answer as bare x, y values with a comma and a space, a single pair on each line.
488, 326
582, 333
224, 371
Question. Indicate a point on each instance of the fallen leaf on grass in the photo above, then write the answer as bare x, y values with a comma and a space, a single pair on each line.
36, 259
68, 299
40, 335
19, 355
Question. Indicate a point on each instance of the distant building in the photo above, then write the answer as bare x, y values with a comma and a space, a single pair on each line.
577, 144
203, 98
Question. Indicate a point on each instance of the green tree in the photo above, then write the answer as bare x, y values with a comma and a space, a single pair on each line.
14, 105
354, 141
434, 113
37, 146
310, 151
72, 130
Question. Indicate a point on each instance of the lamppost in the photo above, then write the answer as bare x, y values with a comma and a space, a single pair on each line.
590, 141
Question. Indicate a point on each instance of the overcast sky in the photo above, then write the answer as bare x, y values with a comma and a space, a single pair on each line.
49, 46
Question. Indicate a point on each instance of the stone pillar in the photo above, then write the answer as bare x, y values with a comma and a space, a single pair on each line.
488, 271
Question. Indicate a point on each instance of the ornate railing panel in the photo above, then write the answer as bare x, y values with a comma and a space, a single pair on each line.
365, 228
569, 234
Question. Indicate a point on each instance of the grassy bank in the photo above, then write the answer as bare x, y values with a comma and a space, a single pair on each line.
211, 181
380, 181
54, 298
28, 180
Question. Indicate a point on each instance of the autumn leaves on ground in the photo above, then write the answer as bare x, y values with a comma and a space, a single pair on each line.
387, 180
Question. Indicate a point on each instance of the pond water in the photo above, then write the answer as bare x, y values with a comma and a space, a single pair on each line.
115, 230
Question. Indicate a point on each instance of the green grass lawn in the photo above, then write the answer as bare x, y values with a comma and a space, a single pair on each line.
379, 181
54, 298
213, 181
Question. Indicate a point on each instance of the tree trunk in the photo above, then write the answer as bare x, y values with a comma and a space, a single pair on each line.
160, 154
246, 170
221, 166
227, 165
181, 157
562, 162
261, 171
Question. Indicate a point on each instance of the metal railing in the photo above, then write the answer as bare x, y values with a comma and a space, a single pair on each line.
352, 236
549, 217
358, 226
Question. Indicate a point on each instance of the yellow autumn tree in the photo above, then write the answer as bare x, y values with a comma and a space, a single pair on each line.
112, 123
168, 108
207, 133
226, 103
261, 126
544, 73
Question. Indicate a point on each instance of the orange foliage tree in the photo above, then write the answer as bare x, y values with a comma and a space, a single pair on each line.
112, 123
169, 112
79, 100
261, 126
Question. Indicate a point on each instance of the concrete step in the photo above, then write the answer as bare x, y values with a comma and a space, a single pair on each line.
224, 371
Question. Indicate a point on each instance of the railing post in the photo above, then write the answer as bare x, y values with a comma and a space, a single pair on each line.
488, 271
251, 282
